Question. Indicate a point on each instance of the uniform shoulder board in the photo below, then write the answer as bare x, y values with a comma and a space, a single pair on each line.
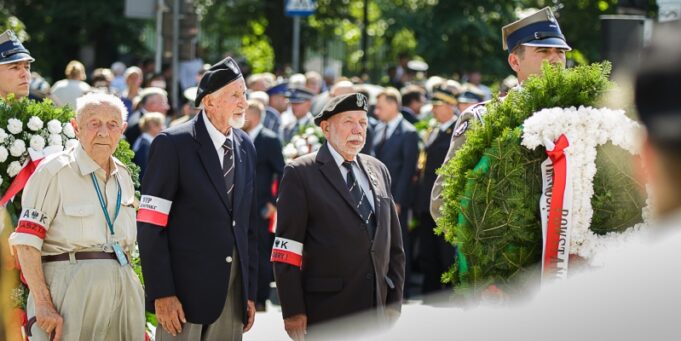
461, 129
479, 110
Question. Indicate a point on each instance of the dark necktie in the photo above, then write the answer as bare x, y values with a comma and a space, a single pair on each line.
228, 169
361, 200
384, 137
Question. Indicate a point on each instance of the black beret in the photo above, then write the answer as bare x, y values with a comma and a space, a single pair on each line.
216, 77
657, 85
349, 102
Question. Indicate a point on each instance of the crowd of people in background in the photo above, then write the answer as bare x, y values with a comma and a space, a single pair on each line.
411, 121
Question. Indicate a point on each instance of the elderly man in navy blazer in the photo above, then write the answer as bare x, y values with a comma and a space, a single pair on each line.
196, 224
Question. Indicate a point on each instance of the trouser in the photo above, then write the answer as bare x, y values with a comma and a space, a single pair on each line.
265, 275
229, 326
437, 256
406, 244
98, 299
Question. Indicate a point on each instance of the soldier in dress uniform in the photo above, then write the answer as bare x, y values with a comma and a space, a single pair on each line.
15, 66
301, 103
197, 218
437, 255
338, 247
530, 41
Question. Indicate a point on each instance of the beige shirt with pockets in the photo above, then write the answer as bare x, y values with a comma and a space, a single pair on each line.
61, 212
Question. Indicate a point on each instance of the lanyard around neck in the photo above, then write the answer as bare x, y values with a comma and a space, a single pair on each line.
102, 203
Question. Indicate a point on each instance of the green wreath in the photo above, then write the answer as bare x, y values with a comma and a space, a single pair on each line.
492, 185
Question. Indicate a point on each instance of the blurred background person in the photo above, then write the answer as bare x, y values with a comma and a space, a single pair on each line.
151, 124
301, 102
118, 81
278, 104
436, 254
475, 78
470, 95
66, 91
269, 167
133, 82
396, 144
413, 98
101, 81
151, 100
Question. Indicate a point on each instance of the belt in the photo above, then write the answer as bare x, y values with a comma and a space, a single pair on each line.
80, 256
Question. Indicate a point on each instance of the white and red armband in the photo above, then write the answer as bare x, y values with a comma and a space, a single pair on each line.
154, 210
287, 251
33, 222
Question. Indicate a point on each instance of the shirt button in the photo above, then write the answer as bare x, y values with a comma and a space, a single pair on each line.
229, 259
234, 223
370, 275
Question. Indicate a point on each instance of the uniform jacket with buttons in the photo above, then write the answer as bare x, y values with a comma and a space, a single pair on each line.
341, 266
186, 231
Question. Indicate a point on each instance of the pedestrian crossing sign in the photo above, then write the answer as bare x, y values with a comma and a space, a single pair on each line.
300, 8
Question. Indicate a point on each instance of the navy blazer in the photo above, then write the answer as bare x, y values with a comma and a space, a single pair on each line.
186, 231
141, 154
269, 165
400, 154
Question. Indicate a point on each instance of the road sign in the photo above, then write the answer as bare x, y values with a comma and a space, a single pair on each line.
300, 8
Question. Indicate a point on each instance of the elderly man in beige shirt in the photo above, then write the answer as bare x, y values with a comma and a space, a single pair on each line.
76, 232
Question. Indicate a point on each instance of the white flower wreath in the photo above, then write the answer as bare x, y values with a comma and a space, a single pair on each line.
586, 128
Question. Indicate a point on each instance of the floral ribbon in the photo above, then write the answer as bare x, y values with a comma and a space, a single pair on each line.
31, 164
556, 209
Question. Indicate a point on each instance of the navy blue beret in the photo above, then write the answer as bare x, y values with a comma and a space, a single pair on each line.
219, 75
348, 102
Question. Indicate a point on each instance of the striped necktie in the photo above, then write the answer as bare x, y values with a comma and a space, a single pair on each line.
228, 169
361, 200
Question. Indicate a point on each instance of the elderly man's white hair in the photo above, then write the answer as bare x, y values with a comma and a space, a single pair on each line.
260, 96
99, 98
297, 80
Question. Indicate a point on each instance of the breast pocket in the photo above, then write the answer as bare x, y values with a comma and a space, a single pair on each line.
81, 217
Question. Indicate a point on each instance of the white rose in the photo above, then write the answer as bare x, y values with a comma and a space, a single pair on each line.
309, 131
71, 143
55, 140
68, 130
313, 139
35, 123
13, 169
14, 126
37, 142
300, 143
3, 135
3, 154
54, 127
17, 148
290, 151
302, 150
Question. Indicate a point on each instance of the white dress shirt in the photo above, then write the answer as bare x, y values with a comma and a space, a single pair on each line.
255, 131
390, 125
218, 138
357, 170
